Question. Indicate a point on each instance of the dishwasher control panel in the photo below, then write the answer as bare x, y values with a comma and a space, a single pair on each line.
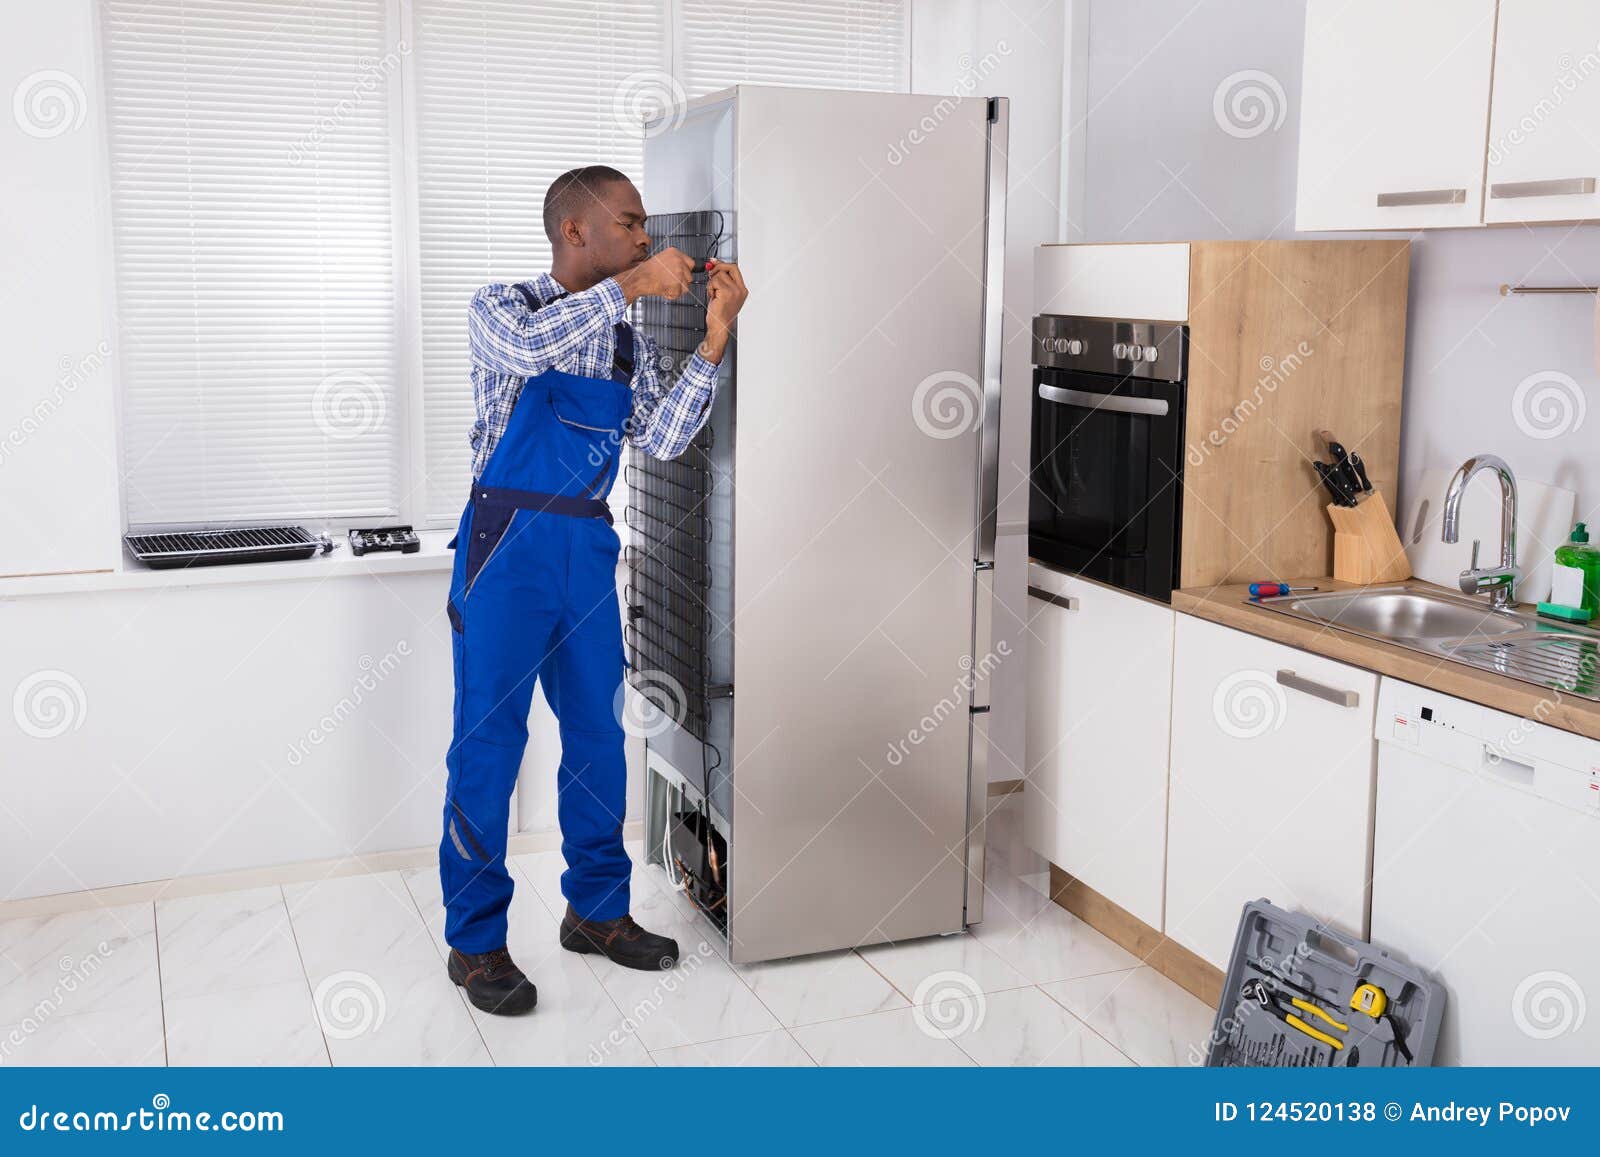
1406, 711
1519, 751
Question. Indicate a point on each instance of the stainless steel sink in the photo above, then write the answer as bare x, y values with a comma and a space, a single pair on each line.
1397, 614
1461, 630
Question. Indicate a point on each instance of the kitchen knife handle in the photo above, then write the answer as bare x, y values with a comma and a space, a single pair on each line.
1360, 468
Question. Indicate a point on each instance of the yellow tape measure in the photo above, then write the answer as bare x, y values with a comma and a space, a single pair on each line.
1370, 999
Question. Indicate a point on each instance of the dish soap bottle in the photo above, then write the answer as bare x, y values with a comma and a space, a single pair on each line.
1581, 589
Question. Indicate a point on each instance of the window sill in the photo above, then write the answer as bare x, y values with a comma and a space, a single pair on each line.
433, 557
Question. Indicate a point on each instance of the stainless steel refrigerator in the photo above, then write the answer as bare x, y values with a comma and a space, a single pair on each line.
809, 587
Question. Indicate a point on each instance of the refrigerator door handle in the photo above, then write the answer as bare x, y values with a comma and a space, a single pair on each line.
994, 259
977, 812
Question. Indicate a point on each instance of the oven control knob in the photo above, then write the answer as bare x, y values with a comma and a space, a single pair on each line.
1135, 352
1072, 345
1151, 353
1120, 350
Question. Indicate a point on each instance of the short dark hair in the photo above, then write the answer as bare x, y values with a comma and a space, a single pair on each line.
570, 191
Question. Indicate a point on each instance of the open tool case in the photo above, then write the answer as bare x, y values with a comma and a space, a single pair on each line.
1301, 994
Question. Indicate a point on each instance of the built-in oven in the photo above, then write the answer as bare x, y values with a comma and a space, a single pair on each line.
1106, 470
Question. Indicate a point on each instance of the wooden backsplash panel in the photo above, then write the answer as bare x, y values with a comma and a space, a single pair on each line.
1286, 337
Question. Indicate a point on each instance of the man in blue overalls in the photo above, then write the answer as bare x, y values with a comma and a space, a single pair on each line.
560, 380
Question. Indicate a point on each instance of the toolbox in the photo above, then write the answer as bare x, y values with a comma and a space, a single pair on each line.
364, 540
1299, 993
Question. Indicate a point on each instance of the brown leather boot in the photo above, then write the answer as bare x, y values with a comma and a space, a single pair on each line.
493, 982
620, 941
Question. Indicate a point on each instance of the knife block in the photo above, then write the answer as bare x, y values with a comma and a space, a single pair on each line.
1366, 548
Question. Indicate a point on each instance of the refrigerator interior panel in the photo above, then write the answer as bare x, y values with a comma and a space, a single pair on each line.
689, 158
862, 237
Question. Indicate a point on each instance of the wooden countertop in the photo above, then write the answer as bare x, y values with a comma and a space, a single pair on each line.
1228, 606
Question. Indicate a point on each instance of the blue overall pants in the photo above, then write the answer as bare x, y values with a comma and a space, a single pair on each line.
534, 595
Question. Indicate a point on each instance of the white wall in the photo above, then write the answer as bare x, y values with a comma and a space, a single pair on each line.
183, 730
180, 731
151, 733
978, 49
58, 498
1159, 167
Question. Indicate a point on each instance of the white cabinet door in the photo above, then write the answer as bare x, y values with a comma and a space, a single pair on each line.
1394, 105
1544, 129
1099, 705
1272, 785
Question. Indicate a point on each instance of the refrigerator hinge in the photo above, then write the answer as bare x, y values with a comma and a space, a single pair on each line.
993, 109
978, 710
983, 564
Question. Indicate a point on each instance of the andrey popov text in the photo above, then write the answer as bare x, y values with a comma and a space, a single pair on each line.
1448, 1113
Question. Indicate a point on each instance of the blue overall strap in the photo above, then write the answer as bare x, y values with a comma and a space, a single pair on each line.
622, 335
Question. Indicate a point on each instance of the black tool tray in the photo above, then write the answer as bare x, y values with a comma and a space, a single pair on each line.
365, 540
1286, 957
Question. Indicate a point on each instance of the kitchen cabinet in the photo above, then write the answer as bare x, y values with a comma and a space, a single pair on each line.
1394, 103
1099, 705
1273, 767
1544, 127
1397, 99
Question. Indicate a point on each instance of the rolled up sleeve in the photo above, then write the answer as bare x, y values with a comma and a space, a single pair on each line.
666, 418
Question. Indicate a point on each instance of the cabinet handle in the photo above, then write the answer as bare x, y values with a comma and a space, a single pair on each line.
1422, 197
1338, 696
1063, 601
1564, 187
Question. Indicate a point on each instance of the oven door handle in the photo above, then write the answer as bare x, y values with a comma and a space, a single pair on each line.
1156, 407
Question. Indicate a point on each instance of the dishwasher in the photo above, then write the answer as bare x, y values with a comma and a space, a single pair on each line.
1486, 872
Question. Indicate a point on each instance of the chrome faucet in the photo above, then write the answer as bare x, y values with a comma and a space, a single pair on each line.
1498, 581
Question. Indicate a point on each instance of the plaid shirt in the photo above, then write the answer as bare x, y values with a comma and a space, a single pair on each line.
510, 344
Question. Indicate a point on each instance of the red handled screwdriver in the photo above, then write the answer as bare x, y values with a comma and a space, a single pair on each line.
1269, 590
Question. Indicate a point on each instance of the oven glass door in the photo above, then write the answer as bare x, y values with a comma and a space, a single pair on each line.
1106, 477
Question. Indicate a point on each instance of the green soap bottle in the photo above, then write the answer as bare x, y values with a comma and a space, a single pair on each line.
1582, 556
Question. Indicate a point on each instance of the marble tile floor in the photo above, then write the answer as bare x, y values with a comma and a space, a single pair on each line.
350, 971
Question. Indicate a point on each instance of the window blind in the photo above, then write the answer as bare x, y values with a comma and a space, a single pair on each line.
509, 95
254, 201
811, 43
251, 201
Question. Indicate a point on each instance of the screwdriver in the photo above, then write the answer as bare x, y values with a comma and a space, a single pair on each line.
1269, 590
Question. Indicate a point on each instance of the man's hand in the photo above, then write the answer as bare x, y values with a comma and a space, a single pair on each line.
725, 296
664, 275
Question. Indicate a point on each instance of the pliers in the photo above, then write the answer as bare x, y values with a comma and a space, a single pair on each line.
1261, 993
